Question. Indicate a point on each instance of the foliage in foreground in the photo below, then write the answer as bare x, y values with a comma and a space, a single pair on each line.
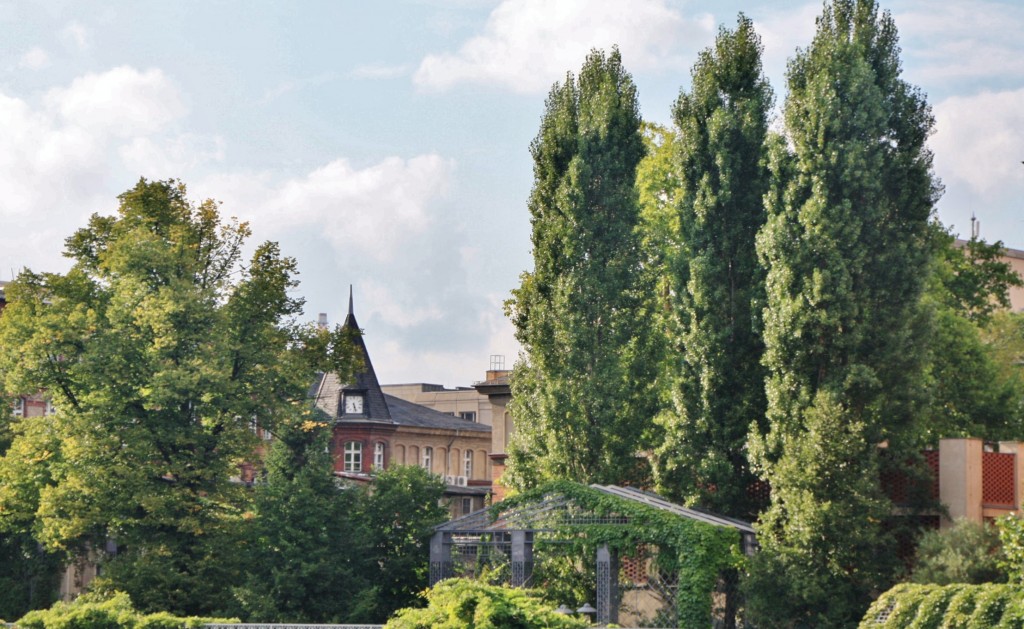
113, 612
988, 606
467, 604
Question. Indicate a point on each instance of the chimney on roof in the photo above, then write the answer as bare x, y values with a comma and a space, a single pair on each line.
321, 321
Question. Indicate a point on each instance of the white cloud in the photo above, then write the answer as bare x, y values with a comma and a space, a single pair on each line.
59, 155
294, 85
373, 211
156, 158
379, 71
75, 36
956, 40
121, 102
528, 44
782, 33
35, 59
978, 140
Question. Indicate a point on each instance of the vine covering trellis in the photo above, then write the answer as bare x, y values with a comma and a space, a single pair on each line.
553, 536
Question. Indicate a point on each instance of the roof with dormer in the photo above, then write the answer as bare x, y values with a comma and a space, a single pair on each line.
328, 391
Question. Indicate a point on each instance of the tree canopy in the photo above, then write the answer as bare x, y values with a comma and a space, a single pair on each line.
846, 251
160, 349
581, 390
716, 280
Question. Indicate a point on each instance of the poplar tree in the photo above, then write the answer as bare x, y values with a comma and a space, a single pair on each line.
845, 247
580, 390
716, 279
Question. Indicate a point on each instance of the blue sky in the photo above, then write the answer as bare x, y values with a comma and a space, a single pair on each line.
385, 144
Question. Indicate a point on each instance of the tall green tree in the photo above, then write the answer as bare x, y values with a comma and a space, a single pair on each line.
845, 246
581, 393
303, 561
396, 518
716, 279
159, 347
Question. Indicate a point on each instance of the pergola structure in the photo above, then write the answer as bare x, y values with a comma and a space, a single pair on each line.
464, 545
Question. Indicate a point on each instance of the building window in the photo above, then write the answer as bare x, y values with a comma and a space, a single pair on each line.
353, 456
50, 409
467, 466
467, 505
378, 455
258, 430
19, 407
468, 415
428, 458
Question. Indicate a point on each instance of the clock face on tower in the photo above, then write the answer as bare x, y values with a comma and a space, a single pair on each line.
353, 403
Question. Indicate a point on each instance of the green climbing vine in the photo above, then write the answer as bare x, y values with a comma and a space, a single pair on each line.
698, 552
990, 605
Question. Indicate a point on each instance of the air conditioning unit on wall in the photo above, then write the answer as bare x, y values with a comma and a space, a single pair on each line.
461, 481
449, 480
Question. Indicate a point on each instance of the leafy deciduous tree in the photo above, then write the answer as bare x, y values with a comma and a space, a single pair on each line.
159, 348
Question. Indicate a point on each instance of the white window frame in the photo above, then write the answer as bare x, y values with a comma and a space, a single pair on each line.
378, 455
468, 415
50, 408
467, 464
428, 458
18, 409
353, 456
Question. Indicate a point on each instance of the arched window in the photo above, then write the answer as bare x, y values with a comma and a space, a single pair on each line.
378, 455
413, 457
353, 456
467, 464
428, 458
398, 455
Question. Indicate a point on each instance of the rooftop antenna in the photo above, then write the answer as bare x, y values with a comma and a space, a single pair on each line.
975, 227
350, 299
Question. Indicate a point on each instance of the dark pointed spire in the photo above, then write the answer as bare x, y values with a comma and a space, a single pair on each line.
350, 319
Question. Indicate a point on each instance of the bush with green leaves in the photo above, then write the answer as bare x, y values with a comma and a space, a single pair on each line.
468, 604
1011, 534
968, 552
92, 611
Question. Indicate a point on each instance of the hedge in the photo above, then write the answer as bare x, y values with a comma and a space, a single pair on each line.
113, 612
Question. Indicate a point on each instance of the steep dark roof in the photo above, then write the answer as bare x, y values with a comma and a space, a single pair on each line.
328, 389
327, 392
409, 414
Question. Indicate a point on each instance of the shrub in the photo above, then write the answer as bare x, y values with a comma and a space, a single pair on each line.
467, 604
101, 611
968, 552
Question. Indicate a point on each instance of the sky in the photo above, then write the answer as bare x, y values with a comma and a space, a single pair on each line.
385, 145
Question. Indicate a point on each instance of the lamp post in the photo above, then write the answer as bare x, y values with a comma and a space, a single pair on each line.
588, 610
